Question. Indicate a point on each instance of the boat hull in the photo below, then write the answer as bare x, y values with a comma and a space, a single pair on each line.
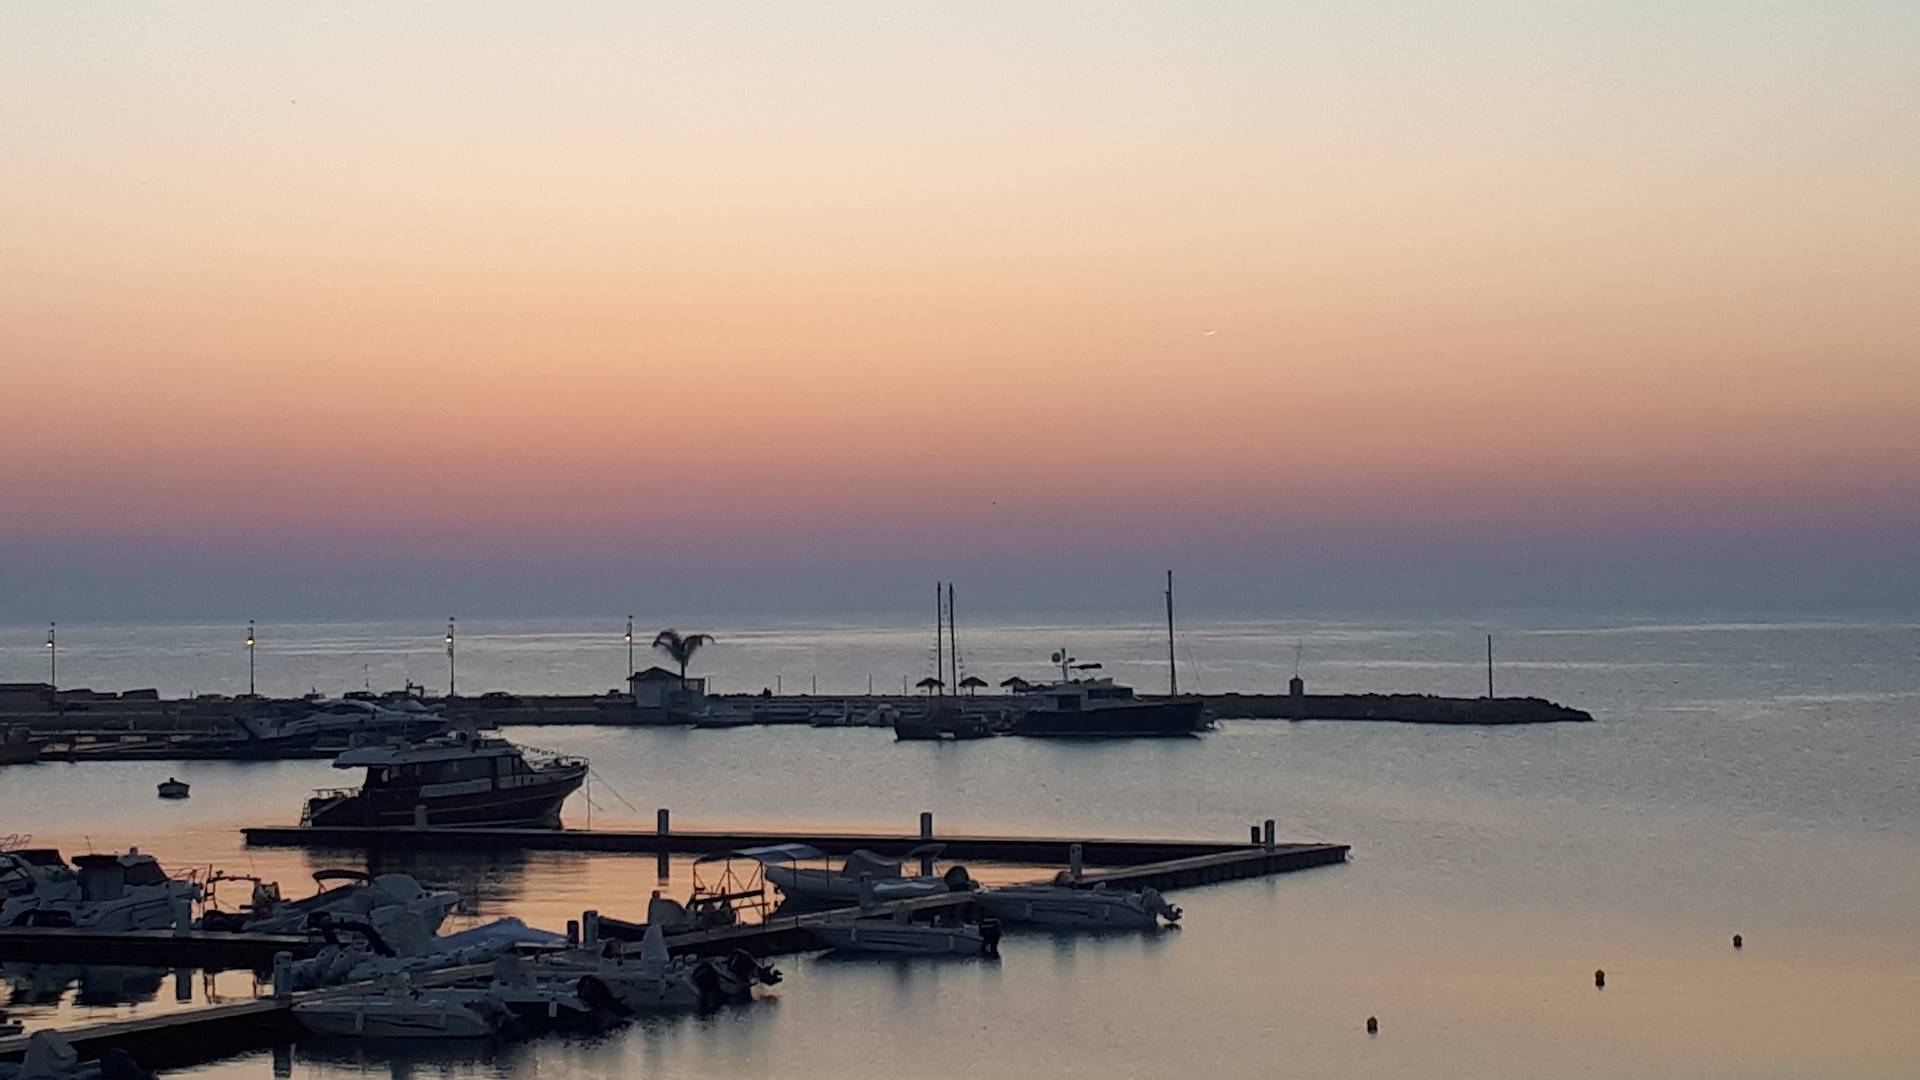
379, 1018
1173, 717
1079, 911
21, 753
900, 940
530, 804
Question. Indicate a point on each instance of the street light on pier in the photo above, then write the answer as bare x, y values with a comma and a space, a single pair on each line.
629, 652
449, 656
53, 664
250, 658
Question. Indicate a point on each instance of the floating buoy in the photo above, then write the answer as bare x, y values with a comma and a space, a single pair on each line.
1737, 942
1600, 979
1373, 1025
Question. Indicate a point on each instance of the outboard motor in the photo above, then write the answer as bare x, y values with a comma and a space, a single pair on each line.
706, 979
749, 970
594, 990
990, 936
957, 879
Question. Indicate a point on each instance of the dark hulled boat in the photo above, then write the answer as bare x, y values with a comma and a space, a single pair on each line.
1102, 707
455, 779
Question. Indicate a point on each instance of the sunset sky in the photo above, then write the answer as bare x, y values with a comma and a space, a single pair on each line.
312, 310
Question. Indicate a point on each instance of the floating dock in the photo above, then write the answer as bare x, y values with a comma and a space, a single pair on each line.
188, 1036
149, 948
1009, 849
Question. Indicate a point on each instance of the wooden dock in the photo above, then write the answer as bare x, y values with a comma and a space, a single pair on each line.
149, 948
1009, 849
188, 1036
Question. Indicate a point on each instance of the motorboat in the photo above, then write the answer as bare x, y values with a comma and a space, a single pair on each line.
902, 935
1065, 905
651, 979
1095, 706
342, 894
393, 941
460, 778
174, 789
99, 892
938, 726
335, 723
862, 877
19, 747
400, 1010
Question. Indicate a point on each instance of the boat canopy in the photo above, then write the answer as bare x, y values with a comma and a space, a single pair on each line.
773, 853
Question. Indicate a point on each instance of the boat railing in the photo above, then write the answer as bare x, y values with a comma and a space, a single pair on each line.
551, 759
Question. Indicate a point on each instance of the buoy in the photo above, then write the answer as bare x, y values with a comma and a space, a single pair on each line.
1737, 942
1600, 979
1373, 1025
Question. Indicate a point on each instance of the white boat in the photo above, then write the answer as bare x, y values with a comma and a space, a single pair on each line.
100, 892
359, 896
1066, 906
900, 935
394, 942
825, 886
650, 979
337, 723
399, 1010
173, 789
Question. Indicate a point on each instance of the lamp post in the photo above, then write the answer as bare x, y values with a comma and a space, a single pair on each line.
449, 656
250, 658
629, 653
53, 664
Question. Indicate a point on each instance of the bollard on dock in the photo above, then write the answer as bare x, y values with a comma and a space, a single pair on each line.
660, 821
1267, 838
283, 975
1253, 835
1076, 861
590, 928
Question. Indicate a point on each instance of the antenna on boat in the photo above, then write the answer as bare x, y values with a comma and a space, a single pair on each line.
1173, 669
1298, 647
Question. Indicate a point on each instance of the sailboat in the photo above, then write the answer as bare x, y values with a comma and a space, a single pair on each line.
943, 722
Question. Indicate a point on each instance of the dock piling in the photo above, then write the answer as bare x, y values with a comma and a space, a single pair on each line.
1253, 834
1267, 840
1076, 861
589, 928
926, 835
660, 821
573, 931
283, 975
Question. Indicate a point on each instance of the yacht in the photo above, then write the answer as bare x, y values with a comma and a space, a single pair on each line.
1096, 706
1067, 906
461, 778
320, 724
99, 892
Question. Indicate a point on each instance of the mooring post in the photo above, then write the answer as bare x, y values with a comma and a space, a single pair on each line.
573, 931
1268, 827
589, 928
183, 985
1253, 834
1075, 861
926, 835
660, 821
419, 815
283, 975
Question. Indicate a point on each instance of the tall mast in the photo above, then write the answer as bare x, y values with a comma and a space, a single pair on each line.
939, 642
1489, 667
1173, 670
953, 639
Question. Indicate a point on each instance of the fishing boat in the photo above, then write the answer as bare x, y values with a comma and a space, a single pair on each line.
1097, 908
1085, 704
902, 935
461, 778
862, 877
174, 789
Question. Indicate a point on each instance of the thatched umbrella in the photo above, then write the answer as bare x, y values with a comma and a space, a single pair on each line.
1015, 684
972, 683
929, 684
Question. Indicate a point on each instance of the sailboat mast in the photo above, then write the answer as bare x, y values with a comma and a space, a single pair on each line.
1173, 670
953, 638
939, 642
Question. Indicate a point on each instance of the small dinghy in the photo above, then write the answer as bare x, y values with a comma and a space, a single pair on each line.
398, 1010
1098, 908
174, 789
900, 936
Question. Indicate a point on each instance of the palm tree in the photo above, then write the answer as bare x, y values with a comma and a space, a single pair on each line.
680, 648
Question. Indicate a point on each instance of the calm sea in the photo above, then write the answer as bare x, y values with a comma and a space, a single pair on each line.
1754, 777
